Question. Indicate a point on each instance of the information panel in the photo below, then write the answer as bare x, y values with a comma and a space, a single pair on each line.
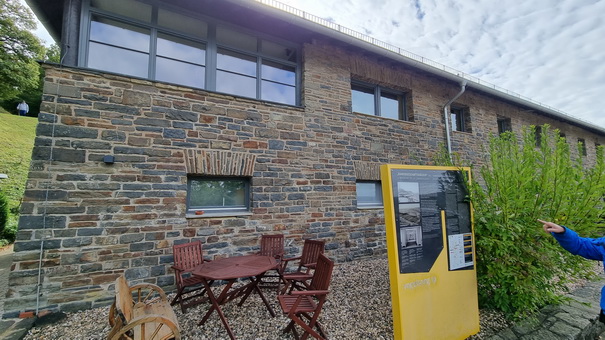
431, 252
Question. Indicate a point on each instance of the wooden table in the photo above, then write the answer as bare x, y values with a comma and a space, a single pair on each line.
230, 269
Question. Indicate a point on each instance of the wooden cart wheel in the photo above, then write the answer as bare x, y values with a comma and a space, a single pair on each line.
162, 324
147, 293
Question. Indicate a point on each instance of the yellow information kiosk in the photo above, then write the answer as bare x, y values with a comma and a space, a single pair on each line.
431, 250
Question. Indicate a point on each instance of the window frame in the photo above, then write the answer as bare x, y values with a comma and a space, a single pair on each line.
582, 146
211, 49
204, 211
538, 135
377, 91
504, 125
377, 194
459, 116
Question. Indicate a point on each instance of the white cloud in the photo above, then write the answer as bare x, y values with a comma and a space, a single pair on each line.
546, 50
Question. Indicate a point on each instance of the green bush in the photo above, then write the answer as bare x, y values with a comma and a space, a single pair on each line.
520, 268
3, 212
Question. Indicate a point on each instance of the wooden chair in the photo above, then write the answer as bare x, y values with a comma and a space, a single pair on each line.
272, 245
190, 290
303, 307
306, 263
147, 317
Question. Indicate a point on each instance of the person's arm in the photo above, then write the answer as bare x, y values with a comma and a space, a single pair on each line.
570, 241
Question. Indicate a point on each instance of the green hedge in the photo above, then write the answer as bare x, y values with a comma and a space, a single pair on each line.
520, 268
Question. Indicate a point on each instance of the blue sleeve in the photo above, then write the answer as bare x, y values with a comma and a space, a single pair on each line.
589, 248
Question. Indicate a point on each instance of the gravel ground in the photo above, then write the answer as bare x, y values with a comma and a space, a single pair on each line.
353, 311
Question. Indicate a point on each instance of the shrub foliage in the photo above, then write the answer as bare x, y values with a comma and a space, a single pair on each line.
520, 268
3, 211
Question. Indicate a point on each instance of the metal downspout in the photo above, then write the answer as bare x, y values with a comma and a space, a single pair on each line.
446, 117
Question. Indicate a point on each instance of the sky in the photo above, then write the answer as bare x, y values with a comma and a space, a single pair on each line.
546, 50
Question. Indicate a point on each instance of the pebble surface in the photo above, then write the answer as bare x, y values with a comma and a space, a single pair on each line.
358, 307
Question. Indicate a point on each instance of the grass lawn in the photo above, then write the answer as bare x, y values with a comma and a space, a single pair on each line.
16, 142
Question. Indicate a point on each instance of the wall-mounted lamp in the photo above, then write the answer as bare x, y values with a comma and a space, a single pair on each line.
109, 159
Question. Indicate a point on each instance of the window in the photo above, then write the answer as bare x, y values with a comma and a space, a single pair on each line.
562, 136
377, 101
504, 125
217, 194
538, 135
118, 47
459, 118
582, 146
125, 37
369, 194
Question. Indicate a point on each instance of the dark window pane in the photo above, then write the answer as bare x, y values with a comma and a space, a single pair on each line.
582, 146
182, 23
236, 62
116, 33
115, 59
181, 49
390, 106
363, 100
178, 72
538, 135
224, 194
279, 73
457, 119
504, 125
130, 8
235, 39
235, 84
278, 93
278, 51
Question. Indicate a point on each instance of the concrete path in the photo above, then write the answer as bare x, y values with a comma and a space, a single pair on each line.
575, 320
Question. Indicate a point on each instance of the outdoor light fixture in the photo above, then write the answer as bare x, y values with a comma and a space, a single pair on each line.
109, 159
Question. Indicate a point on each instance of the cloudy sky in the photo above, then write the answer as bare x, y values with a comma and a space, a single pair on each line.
546, 50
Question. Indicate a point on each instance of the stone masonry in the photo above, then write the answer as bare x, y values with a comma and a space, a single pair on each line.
98, 220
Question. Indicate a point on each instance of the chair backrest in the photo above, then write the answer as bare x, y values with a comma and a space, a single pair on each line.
272, 245
311, 250
124, 300
188, 255
323, 273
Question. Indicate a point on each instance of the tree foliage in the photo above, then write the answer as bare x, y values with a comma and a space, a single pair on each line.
521, 268
19, 50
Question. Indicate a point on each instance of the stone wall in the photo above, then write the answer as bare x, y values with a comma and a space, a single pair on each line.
100, 220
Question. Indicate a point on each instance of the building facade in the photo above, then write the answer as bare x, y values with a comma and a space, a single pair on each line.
169, 121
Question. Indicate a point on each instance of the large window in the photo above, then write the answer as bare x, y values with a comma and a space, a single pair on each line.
377, 101
217, 195
369, 194
118, 47
126, 37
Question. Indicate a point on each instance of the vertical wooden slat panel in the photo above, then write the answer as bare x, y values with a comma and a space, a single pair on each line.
219, 163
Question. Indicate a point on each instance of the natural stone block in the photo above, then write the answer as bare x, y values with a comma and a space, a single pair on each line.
130, 238
41, 222
136, 273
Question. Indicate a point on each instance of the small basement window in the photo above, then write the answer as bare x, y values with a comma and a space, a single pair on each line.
217, 195
369, 194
